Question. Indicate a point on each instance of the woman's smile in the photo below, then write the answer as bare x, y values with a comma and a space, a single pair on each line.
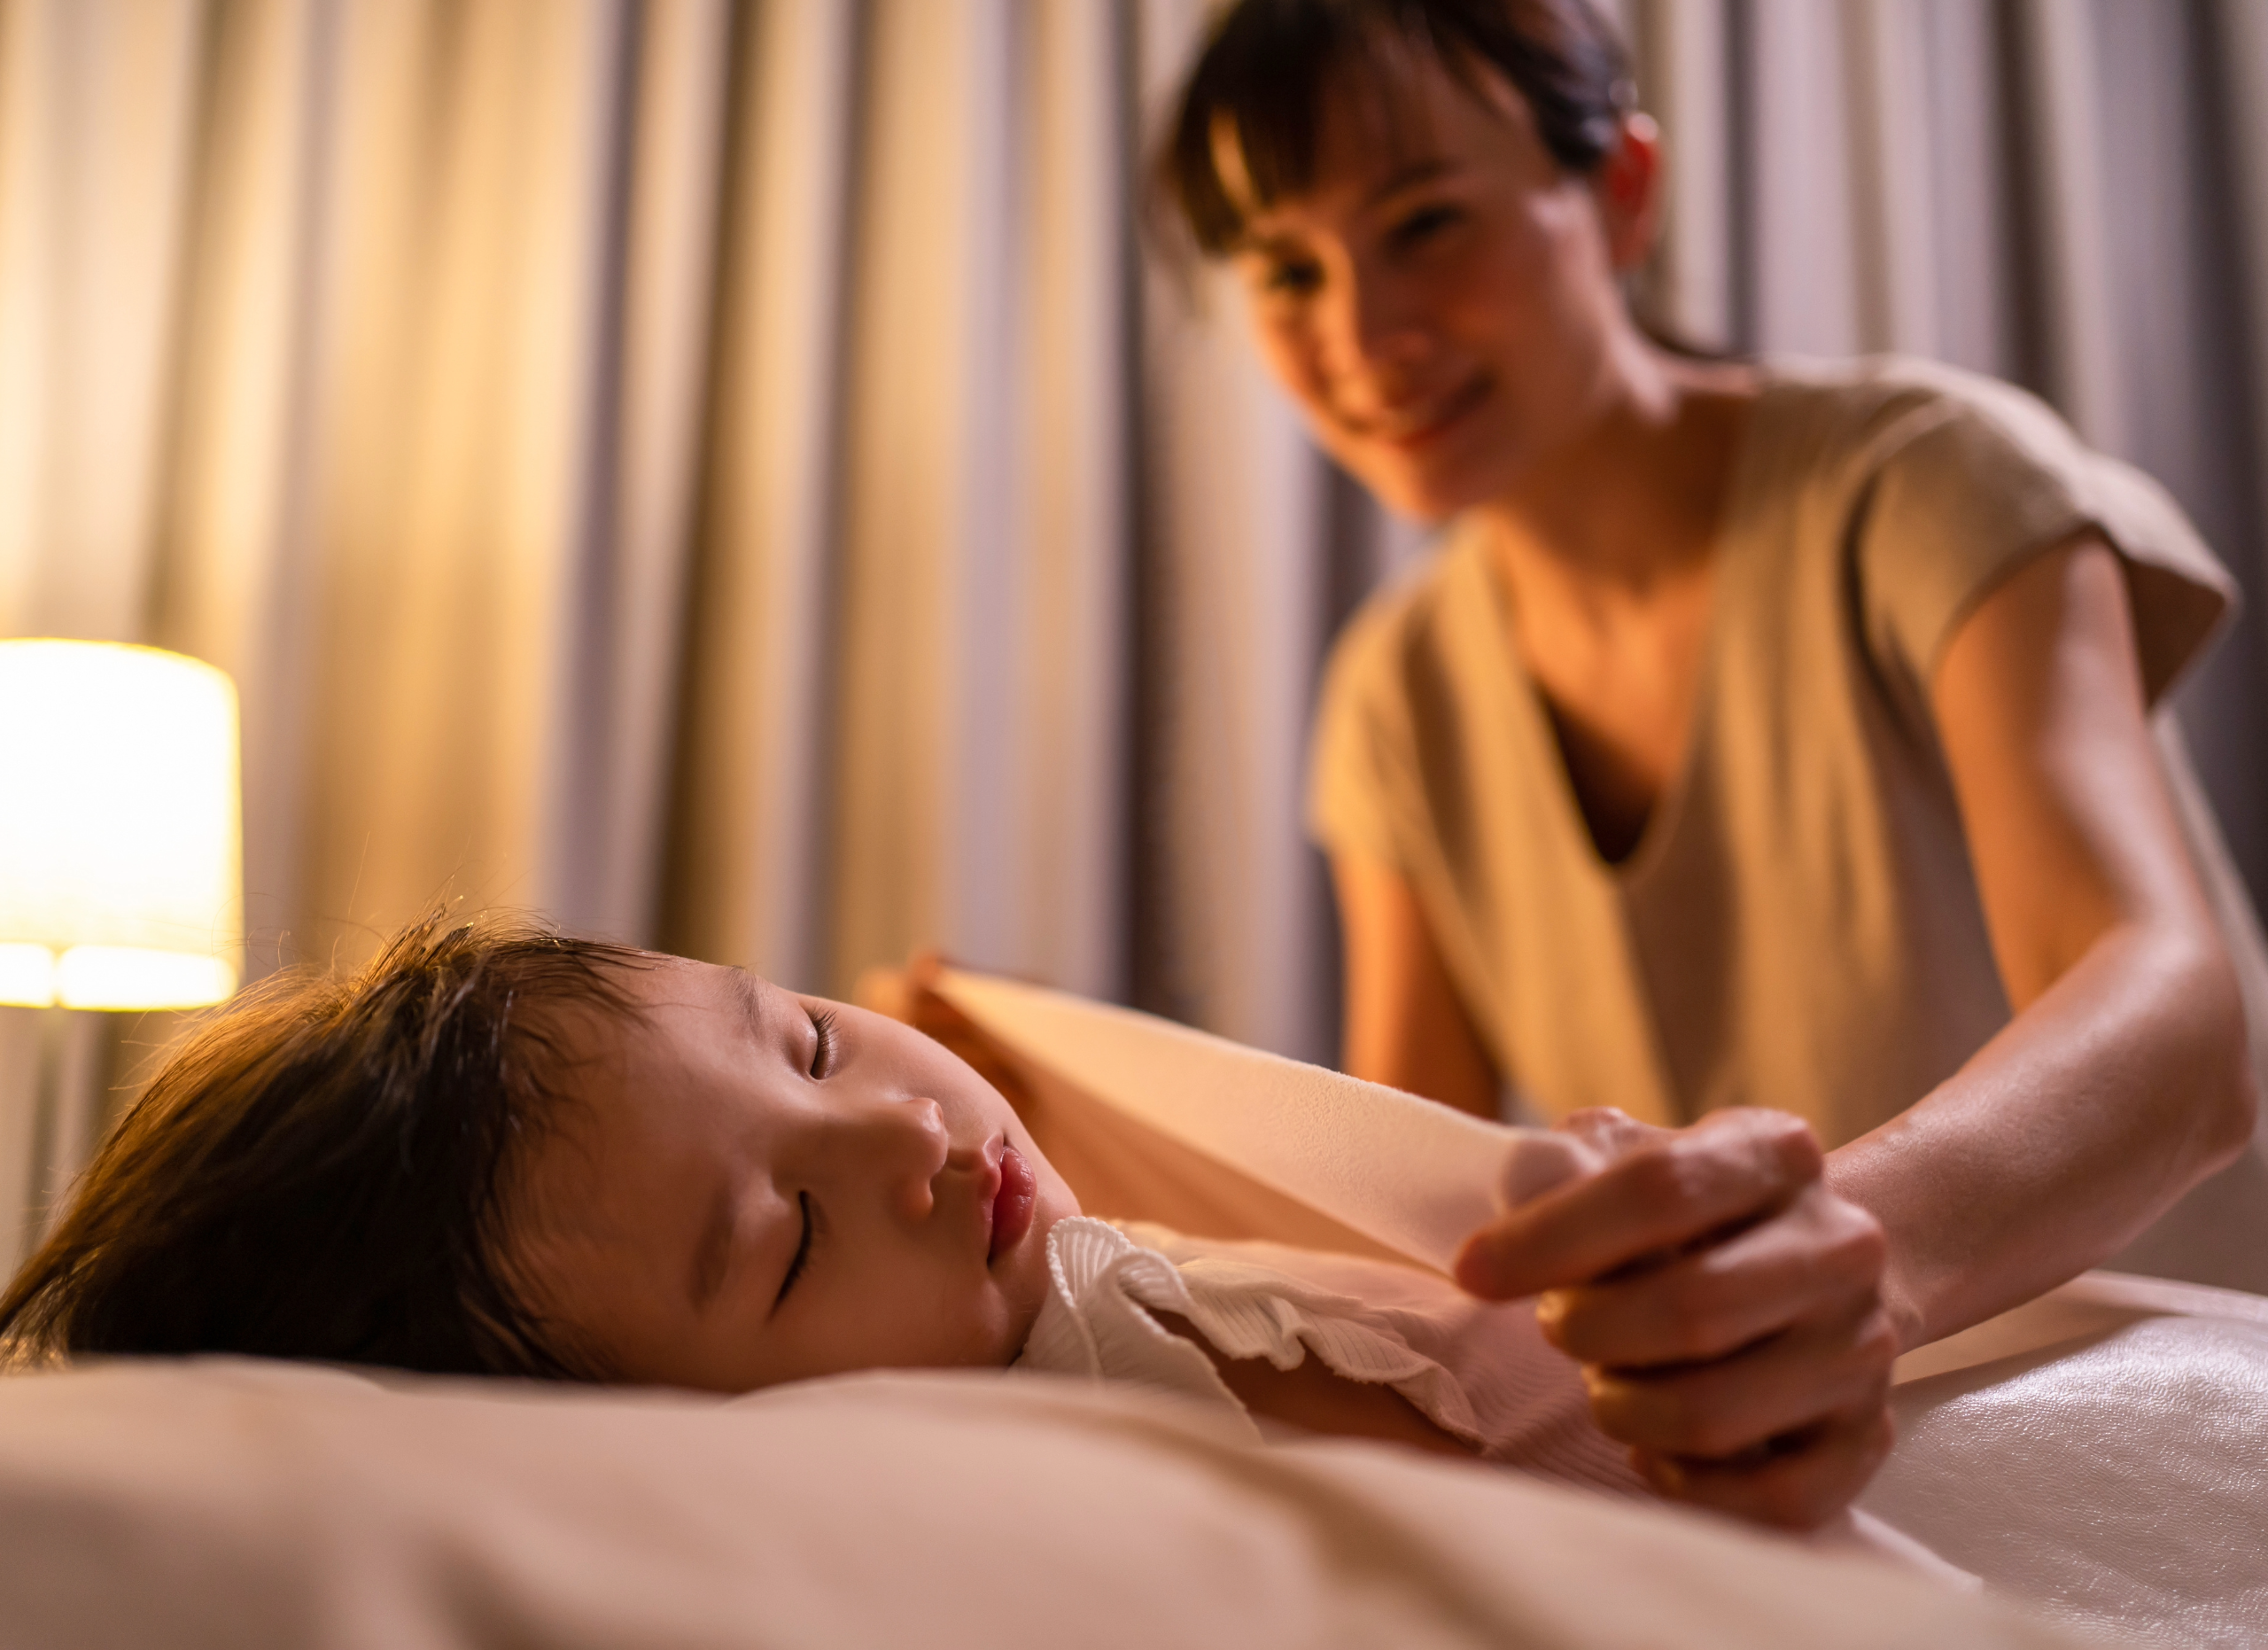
1415, 423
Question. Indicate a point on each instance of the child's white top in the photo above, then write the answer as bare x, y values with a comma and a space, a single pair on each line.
1481, 1372
1478, 1370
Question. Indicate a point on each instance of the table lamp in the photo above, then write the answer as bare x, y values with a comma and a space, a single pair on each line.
120, 857
121, 879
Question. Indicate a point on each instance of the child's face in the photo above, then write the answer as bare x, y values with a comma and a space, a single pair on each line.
733, 1197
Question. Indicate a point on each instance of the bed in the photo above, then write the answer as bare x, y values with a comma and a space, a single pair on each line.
2097, 1458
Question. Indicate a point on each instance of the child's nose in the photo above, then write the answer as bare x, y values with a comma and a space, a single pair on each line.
905, 1143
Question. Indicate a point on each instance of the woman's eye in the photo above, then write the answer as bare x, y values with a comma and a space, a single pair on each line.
823, 1043
1423, 224
803, 1250
1291, 278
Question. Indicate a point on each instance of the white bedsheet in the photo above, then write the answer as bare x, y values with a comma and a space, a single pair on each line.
2103, 1452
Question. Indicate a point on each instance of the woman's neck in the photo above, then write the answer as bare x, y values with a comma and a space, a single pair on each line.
1632, 501
1606, 550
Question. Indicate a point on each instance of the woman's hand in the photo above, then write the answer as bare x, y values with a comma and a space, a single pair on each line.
1725, 1306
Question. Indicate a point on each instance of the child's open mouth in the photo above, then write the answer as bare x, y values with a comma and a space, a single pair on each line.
1012, 1204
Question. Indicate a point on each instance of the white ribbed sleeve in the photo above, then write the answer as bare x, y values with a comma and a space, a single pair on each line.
1481, 1373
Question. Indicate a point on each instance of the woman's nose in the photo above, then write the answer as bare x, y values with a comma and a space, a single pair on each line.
1372, 329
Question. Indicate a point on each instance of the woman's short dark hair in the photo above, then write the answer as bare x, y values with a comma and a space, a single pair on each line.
1268, 64
321, 1171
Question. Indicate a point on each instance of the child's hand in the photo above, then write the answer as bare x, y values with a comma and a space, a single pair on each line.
909, 994
1724, 1302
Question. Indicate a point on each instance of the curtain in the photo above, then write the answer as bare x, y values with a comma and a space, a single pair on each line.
733, 477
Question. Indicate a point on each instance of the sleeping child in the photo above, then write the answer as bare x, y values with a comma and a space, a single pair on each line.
501, 1151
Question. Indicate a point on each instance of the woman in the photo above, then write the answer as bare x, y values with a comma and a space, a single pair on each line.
1756, 741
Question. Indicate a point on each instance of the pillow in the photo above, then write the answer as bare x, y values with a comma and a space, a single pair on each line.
229, 1503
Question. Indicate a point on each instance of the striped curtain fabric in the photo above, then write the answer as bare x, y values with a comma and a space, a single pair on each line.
734, 477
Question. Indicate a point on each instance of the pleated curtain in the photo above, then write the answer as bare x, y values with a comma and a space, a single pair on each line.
734, 478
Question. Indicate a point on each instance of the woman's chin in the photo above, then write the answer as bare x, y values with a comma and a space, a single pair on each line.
1420, 492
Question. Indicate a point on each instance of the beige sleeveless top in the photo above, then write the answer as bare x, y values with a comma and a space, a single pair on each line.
1798, 927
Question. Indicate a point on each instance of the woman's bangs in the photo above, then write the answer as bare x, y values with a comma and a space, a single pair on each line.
1251, 119
1256, 109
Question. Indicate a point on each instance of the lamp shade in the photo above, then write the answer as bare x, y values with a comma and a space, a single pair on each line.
120, 833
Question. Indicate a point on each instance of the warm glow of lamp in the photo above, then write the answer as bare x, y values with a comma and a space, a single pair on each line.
120, 844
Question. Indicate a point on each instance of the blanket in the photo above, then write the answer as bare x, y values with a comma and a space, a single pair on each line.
2103, 1451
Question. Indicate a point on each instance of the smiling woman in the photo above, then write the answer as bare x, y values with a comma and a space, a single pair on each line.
1767, 753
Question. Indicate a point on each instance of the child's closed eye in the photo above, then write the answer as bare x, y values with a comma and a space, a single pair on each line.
803, 1248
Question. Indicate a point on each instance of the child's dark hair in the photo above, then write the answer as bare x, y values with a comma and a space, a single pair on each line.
319, 1172
1268, 63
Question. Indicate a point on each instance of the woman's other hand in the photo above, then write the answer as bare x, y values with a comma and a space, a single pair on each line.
1724, 1303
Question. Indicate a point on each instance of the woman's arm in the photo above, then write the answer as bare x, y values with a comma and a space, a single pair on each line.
2123, 1078
1735, 1299
1749, 1373
1405, 1026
